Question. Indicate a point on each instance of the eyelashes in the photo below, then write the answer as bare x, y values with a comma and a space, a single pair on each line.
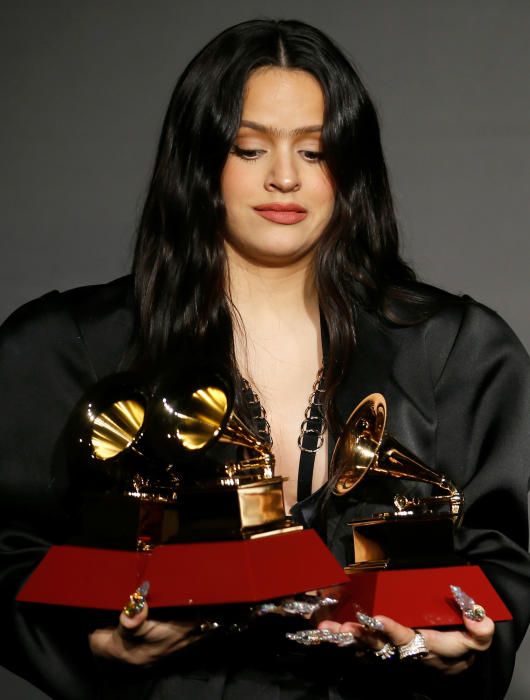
251, 154
246, 153
314, 156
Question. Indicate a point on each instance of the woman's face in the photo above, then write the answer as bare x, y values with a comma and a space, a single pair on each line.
275, 185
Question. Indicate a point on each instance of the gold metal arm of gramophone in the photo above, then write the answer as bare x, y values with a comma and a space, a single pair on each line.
195, 420
364, 447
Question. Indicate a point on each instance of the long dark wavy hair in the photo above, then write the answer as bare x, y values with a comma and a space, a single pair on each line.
179, 266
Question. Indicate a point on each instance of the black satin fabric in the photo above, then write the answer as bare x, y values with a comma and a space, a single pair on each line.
458, 392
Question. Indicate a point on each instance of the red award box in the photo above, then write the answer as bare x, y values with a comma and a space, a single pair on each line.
416, 597
250, 571
204, 573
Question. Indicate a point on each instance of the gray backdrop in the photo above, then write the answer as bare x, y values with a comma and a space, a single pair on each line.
85, 85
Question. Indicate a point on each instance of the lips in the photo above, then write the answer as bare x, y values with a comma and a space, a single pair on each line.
282, 213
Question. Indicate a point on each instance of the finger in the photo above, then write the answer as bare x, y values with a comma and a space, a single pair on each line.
457, 643
330, 625
353, 627
335, 627
479, 627
186, 641
393, 631
151, 641
480, 632
130, 627
100, 641
132, 622
369, 640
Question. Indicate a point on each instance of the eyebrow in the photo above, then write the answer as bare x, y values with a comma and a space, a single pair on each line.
274, 131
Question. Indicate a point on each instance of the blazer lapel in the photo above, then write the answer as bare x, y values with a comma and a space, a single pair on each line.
369, 372
391, 361
371, 364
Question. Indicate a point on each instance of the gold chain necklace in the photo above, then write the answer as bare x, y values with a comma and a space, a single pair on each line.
314, 421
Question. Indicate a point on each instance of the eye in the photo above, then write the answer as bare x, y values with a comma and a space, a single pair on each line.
313, 156
246, 153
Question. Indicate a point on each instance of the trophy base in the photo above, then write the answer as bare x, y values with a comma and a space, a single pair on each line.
245, 511
403, 542
422, 562
116, 521
241, 511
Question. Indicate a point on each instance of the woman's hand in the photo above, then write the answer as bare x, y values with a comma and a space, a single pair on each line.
450, 652
139, 641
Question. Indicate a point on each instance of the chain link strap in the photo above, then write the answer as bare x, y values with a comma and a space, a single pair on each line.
312, 424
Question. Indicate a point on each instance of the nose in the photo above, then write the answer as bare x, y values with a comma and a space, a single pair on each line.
282, 175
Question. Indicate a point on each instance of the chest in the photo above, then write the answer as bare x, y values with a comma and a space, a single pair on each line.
285, 389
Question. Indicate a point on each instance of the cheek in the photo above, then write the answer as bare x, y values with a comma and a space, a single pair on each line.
323, 193
235, 184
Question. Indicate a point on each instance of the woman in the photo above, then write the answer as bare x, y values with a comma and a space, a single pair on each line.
269, 241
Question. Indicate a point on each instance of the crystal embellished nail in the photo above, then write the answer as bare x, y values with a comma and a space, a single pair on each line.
370, 623
143, 589
303, 607
463, 600
307, 606
467, 605
137, 600
316, 637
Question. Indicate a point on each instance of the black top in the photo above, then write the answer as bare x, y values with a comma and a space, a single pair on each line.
458, 392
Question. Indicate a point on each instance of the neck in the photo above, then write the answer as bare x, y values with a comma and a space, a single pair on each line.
277, 293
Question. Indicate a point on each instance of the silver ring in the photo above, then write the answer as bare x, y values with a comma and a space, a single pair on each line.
413, 650
386, 652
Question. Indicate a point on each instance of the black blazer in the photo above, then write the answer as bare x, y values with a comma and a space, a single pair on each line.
458, 391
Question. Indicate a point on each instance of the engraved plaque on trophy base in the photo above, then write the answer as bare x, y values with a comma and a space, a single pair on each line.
233, 512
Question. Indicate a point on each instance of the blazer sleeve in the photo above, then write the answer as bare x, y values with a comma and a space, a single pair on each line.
482, 394
43, 372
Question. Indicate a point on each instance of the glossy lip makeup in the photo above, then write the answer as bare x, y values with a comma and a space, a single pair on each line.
282, 213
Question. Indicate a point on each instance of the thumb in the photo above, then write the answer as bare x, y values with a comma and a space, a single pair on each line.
480, 631
133, 621
136, 610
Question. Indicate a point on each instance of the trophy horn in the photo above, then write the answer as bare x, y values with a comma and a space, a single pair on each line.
189, 416
107, 423
364, 447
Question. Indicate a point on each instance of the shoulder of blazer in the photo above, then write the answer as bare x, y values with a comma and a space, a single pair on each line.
463, 321
98, 317
104, 315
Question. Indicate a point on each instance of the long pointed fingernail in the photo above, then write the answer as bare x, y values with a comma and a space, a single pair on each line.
314, 637
143, 589
370, 623
137, 600
467, 605
463, 600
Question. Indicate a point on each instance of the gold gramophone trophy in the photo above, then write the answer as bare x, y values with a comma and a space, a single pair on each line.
405, 560
126, 495
154, 463
419, 531
176, 489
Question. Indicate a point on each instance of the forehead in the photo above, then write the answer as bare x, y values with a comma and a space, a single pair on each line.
283, 99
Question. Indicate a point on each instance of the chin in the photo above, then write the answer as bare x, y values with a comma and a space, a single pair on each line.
278, 258
277, 251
